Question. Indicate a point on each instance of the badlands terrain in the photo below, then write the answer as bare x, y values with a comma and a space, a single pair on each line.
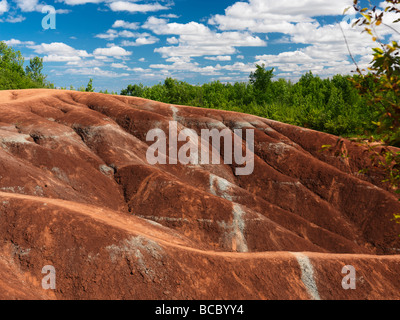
77, 193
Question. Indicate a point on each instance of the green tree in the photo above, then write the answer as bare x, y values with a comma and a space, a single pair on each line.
261, 78
89, 87
12, 74
10, 59
327, 105
34, 70
135, 90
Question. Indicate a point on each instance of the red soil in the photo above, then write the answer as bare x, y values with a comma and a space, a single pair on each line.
77, 192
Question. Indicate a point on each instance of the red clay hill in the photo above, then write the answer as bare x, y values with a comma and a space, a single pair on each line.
77, 193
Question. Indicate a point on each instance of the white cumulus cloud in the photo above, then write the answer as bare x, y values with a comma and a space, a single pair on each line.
136, 7
4, 7
114, 51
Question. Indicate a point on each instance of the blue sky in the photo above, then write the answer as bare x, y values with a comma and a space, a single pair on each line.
121, 42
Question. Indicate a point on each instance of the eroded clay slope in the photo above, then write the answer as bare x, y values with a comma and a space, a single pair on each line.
77, 192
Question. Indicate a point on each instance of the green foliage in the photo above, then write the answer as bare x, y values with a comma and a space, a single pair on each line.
34, 71
381, 86
10, 59
89, 87
261, 78
329, 105
12, 74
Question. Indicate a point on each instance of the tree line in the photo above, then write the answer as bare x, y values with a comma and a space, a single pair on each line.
330, 105
13, 75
